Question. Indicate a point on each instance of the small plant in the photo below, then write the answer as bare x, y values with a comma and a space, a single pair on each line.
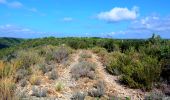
59, 86
45, 68
53, 75
35, 80
23, 82
85, 55
61, 54
78, 96
21, 74
98, 90
127, 98
83, 69
155, 96
39, 92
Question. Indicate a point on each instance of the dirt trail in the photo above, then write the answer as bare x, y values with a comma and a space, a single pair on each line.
111, 81
112, 85
67, 80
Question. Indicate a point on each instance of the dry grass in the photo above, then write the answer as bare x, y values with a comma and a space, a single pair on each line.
7, 87
6, 69
35, 80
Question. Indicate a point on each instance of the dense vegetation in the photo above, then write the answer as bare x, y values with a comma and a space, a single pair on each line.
141, 64
7, 42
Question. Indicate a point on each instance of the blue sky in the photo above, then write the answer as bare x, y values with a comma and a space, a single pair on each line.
99, 18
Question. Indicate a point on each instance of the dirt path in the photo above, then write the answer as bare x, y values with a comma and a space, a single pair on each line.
67, 80
112, 85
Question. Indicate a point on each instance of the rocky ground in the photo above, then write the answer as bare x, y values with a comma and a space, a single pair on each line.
70, 86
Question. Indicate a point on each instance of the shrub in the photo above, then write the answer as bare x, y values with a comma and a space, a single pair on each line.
35, 80
78, 96
46, 68
23, 82
39, 92
61, 54
59, 86
83, 69
98, 90
85, 55
28, 58
102, 53
20, 74
53, 75
155, 96
139, 70
7, 88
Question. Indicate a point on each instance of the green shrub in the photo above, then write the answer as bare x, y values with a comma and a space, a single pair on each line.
28, 58
139, 70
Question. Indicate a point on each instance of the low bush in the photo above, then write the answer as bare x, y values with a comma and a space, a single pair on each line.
21, 74
102, 53
155, 96
35, 80
61, 54
45, 68
139, 70
85, 55
23, 82
28, 58
98, 90
53, 75
83, 69
39, 92
78, 96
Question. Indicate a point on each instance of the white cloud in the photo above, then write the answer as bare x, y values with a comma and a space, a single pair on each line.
14, 4
144, 28
9, 30
67, 19
119, 14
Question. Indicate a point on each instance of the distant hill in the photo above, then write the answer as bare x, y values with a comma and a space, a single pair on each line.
7, 42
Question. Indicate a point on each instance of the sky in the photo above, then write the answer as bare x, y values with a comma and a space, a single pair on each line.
85, 18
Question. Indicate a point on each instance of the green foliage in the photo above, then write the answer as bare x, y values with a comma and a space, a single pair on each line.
7, 42
139, 70
27, 58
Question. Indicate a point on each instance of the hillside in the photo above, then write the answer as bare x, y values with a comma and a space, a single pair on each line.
7, 42
86, 69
